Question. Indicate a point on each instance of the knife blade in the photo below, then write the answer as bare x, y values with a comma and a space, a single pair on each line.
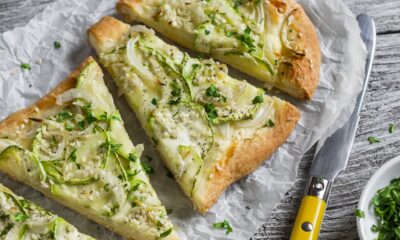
333, 154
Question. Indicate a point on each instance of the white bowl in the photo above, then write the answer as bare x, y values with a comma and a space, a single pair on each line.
379, 180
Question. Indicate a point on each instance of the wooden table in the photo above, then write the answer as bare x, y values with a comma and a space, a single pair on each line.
381, 107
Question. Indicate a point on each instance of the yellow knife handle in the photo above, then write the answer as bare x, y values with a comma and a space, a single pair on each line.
312, 209
309, 219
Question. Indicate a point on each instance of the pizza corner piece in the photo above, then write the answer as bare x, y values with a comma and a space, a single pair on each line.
72, 146
23, 219
209, 129
272, 40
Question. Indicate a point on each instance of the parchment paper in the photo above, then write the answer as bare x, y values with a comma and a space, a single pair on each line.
245, 204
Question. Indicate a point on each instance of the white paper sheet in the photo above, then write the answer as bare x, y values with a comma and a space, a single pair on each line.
245, 204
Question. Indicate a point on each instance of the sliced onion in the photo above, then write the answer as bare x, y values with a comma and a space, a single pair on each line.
284, 36
133, 59
259, 118
225, 130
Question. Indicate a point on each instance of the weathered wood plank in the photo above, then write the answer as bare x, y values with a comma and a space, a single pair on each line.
382, 106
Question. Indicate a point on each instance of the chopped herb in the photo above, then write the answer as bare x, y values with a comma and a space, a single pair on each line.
386, 203
269, 123
223, 225
392, 128
132, 173
69, 126
246, 39
159, 224
106, 187
116, 117
229, 34
81, 125
103, 116
26, 66
359, 213
133, 157
147, 168
63, 115
169, 210
212, 91
20, 217
57, 45
237, 3
373, 139
258, 99
207, 32
166, 233
154, 102
211, 111
73, 156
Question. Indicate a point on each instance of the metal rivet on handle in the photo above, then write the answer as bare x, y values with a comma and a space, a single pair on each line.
307, 227
319, 186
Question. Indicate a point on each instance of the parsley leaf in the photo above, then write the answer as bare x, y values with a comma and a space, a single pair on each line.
211, 111
246, 39
26, 66
20, 217
373, 139
154, 102
392, 128
359, 213
223, 225
269, 123
57, 45
147, 168
258, 99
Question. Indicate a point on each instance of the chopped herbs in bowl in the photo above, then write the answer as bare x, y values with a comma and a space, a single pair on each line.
378, 211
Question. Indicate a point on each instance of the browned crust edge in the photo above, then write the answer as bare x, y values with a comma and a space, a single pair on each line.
246, 156
302, 78
41, 106
305, 71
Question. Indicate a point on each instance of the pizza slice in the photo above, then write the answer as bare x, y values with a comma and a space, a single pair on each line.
72, 146
272, 40
23, 219
209, 128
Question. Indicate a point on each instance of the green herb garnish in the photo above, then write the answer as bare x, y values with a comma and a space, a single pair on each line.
147, 168
212, 91
373, 139
26, 66
246, 39
57, 45
223, 225
258, 99
392, 128
211, 111
359, 213
154, 102
207, 32
20, 217
166, 233
386, 204
269, 123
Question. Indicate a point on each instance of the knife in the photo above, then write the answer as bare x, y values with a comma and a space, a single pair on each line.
333, 155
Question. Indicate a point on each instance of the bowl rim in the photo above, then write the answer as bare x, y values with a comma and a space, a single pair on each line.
363, 203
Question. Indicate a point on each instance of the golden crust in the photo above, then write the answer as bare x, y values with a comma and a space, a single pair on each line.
304, 72
244, 157
41, 107
300, 74
107, 33
237, 163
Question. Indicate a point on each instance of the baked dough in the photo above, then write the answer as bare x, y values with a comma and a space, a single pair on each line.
209, 128
72, 146
272, 40
23, 219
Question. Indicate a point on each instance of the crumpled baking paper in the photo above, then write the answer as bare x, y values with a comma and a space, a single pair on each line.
246, 203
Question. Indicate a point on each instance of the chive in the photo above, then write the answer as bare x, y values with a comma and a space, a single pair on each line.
133, 157
392, 128
258, 99
373, 139
212, 91
359, 213
57, 45
223, 225
211, 111
207, 32
26, 66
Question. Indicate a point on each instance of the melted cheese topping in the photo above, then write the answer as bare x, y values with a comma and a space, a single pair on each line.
186, 104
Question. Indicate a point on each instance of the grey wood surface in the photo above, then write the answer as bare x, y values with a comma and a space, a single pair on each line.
382, 106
